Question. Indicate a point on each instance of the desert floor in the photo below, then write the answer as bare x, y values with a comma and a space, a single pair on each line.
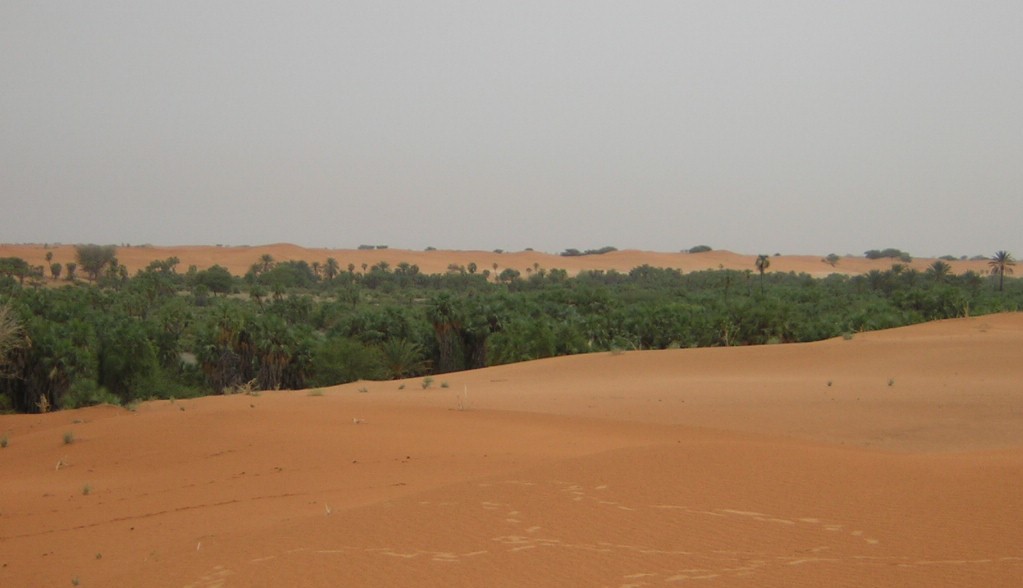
239, 260
891, 459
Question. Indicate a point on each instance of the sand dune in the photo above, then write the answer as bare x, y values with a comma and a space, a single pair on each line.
239, 260
731, 467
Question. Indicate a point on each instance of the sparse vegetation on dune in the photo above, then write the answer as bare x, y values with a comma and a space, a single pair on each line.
289, 324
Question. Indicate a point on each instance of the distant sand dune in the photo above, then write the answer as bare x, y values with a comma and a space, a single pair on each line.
726, 467
238, 260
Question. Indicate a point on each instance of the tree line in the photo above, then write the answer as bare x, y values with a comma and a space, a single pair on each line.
165, 333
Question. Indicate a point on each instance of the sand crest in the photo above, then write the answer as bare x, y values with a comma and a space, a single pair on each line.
238, 260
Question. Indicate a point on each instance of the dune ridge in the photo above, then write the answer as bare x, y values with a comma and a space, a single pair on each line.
892, 459
239, 259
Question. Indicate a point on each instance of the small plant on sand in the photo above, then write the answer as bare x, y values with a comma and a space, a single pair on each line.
463, 399
248, 388
891, 382
829, 383
86, 490
3, 442
75, 581
316, 392
363, 390
69, 438
444, 385
427, 382
401, 386
847, 336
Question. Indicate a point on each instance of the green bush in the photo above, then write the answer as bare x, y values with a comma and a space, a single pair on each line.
343, 360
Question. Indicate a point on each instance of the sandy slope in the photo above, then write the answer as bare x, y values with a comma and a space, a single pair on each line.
240, 259
730, 467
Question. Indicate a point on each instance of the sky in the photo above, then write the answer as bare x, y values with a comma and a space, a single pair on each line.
794, 127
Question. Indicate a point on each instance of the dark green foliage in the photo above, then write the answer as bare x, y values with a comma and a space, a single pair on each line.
341, 360
700, 249
14, 267
286, 274
95, 259
161, 333
403, 358
576, 252
215, 279
890, 253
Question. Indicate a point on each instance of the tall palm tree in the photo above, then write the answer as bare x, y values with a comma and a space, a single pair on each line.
763, 262
1001, 263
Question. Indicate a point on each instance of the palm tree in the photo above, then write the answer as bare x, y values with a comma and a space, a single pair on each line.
939, 270
1001, 263
403, 358
10, 334
266, 263
763, 262
332, 268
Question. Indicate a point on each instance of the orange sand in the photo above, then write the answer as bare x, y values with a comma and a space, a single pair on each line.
240, 259
892, 459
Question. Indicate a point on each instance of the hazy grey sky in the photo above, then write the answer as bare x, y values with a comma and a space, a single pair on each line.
775, 126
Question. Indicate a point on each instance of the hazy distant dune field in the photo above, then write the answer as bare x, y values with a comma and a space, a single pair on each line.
239, 260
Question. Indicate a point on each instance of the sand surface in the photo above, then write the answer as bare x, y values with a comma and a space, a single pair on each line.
892, 459
238, 260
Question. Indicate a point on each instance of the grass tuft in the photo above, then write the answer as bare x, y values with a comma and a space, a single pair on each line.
69, 438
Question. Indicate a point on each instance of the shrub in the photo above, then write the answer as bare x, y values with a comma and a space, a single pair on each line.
341, 360
93, 259
890, 253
